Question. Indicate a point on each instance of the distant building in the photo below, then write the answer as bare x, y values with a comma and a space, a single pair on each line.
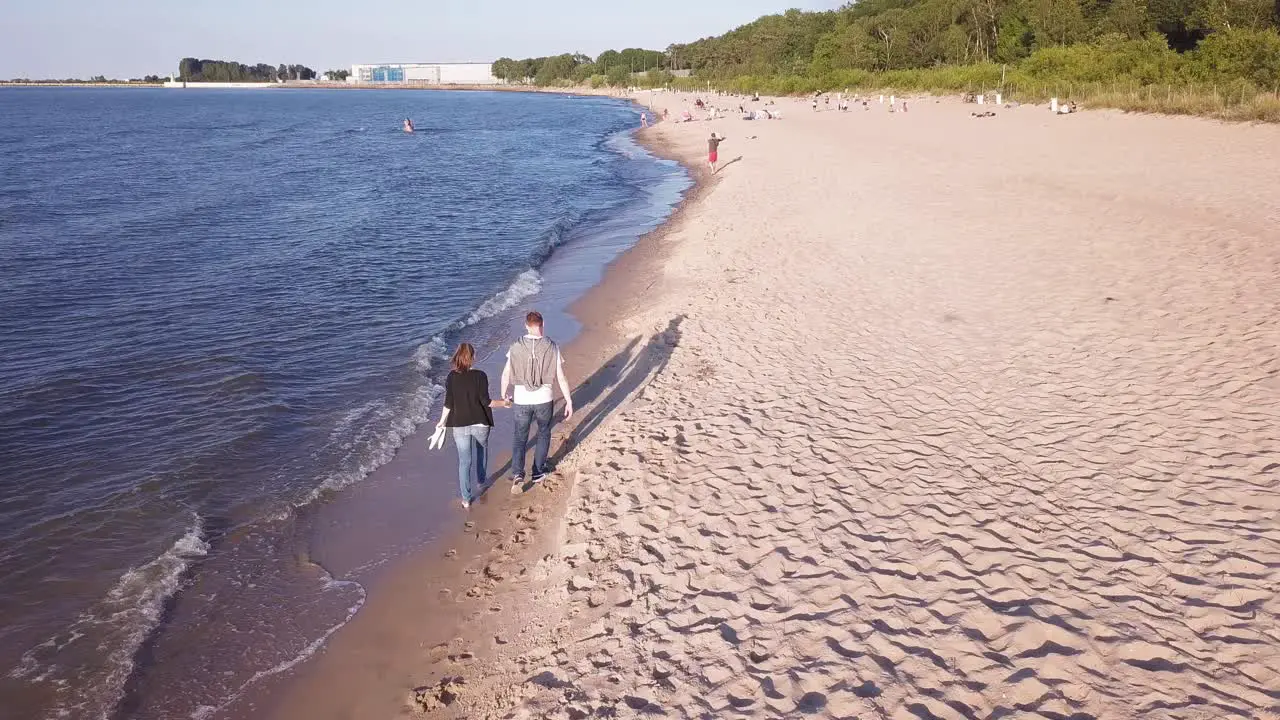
423, 74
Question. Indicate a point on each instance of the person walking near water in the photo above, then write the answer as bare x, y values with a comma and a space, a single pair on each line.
713, 152
533, 363
467, 411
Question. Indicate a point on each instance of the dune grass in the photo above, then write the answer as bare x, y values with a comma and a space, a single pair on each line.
1232, 75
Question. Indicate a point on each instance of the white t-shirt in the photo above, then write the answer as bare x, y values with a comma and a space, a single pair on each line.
525, 396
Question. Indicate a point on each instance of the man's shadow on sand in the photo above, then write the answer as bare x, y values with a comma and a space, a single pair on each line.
727, 164
606, 389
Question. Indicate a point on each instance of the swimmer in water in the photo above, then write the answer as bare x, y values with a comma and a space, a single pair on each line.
408, 125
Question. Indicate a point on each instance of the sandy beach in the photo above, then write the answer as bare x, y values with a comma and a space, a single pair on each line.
906, 415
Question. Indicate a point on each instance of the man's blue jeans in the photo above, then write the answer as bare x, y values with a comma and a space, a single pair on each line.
526, 415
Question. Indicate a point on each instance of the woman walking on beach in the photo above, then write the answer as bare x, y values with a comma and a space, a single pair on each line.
467, 410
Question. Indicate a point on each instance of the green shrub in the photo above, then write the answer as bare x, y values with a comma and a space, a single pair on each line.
1112, 58
1252, 55
618, 76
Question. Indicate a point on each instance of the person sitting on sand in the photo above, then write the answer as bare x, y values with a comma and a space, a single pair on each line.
713, 152
533, 363
467, 410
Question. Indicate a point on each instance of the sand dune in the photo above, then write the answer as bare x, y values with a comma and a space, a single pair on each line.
954, 418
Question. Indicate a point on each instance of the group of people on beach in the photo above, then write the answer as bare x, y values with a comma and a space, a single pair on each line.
534, 363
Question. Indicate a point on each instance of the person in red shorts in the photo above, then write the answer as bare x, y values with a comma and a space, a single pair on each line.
713, 147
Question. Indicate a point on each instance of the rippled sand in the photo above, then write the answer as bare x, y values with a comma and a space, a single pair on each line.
936, 416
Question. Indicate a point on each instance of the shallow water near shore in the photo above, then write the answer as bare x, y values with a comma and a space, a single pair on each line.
222, 313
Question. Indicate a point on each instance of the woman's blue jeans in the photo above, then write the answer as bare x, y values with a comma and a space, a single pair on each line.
472, 443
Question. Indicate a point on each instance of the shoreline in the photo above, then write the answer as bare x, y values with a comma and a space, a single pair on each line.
446, 568
583, 91
1132, 104
81, 85
352, 537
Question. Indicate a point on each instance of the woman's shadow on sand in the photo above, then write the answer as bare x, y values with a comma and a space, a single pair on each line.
622, 375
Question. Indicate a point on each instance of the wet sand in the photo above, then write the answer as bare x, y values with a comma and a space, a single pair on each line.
907, 415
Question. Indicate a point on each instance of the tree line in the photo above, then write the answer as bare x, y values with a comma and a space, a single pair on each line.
193, 70
612, 67
100, 79
1203, 54
879, 35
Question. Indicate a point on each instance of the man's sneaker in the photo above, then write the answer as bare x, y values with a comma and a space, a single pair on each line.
466, 504
517, 485
539, 477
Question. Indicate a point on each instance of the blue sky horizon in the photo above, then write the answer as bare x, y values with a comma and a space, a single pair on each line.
80, 39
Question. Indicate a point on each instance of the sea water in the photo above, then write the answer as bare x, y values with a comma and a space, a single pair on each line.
221, 309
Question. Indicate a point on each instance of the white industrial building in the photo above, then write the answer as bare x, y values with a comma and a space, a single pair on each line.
423, 74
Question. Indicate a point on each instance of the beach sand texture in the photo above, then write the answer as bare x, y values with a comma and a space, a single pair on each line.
939, 417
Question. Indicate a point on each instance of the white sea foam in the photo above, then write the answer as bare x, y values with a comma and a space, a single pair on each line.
117, 626
526, 284
342, 432
428, 354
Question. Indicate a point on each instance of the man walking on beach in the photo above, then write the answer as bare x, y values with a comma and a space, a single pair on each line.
713, 151
532, 363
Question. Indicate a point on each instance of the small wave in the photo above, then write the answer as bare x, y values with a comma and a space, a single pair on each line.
428, 354
528, 283
395, 423
114, 629
206, 711
343, 428
525, 285
556, 236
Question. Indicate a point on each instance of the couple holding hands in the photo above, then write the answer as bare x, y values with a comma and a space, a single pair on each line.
533, 363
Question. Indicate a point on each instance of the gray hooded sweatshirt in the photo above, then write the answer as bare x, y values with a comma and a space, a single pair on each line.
533, 362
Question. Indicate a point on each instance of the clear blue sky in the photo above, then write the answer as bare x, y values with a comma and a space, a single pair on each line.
82, 38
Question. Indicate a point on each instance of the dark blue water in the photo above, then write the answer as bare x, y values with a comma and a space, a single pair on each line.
219, 308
